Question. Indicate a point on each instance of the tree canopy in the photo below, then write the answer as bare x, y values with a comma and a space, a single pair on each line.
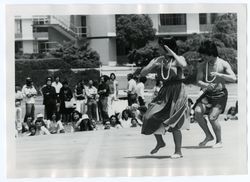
134, 31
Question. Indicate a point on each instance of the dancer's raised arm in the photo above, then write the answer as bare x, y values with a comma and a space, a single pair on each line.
152, 64
180, 60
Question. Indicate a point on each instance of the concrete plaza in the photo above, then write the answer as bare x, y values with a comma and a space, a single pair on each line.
125, 152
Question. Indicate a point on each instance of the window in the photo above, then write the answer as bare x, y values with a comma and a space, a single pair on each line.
18, 26
18, 47
203, 18
173, 19
213, 17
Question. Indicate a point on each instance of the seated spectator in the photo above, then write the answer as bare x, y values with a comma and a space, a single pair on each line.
55, 125
134, 123
81, 122
107, 125
137, 112
93, 124
32, 131
126, 118
232, 113
41, 126
114, 122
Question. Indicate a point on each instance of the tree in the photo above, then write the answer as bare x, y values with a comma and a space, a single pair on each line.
134, 31
78, 54
225, 29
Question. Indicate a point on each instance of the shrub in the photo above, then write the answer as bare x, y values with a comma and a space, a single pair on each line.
39, 76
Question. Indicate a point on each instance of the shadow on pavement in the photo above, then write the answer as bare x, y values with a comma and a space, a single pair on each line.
196, 147
148, 157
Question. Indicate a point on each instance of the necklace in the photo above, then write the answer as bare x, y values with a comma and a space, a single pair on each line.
162, 74
209, 81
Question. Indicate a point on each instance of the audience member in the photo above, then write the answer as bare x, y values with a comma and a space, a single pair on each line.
49, 98
66, 105
92, 96
103, 91
80, 95
29, 93
57, 84
140, 90
131, 91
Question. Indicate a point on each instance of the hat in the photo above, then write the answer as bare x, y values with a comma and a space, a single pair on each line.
85, 116
39, 115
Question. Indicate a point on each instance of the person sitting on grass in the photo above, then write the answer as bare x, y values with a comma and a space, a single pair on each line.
232, 113
41, 126
114, 122
81, 122
126, 118
55, 125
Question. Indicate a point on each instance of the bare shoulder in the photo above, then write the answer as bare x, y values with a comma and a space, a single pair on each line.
223, 62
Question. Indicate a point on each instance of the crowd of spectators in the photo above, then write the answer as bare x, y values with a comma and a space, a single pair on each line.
86, 107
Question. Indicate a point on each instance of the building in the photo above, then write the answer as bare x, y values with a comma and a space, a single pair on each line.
35, 34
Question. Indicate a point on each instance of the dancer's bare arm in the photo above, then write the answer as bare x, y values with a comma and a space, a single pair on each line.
229, 74
180, 60
152, 64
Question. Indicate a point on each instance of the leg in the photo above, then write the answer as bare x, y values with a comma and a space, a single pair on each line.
160, 143
213, 118
177, 141
199, 112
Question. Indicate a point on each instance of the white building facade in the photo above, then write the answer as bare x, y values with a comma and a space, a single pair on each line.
35, 34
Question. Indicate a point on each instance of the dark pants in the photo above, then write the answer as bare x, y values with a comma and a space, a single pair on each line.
92, 109
50, 108
132, 98
103, 109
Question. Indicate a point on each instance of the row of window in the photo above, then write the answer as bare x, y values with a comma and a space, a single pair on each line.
180, 19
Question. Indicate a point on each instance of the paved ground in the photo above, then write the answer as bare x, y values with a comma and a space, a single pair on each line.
125, 152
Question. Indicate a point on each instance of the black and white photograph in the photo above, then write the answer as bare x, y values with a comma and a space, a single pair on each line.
126, 93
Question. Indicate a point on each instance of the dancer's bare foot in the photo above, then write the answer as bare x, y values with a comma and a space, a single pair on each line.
158, 146
205, 141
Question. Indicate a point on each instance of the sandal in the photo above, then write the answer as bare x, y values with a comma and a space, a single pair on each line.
176, 156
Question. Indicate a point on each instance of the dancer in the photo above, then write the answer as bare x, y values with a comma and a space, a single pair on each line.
168, 111
212, 75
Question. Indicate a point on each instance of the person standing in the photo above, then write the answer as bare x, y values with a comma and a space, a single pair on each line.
213, 73
18, 103
57, 84
49, 98
91, 93
131, 92
29, 93
80, 95
113, 87
168, 111
65, 96
140, 90
103, 91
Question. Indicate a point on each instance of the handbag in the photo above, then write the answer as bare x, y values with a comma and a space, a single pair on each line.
70, 104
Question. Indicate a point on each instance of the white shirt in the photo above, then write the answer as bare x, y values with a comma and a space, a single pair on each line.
140, 89
29, 90
57, 86
132, 86
91, 91
126, 123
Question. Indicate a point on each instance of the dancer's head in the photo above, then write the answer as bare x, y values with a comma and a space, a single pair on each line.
170, 42
208, 50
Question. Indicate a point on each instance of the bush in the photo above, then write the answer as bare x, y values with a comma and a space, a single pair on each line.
41, 64
39, 76
229, 55
74, 78
142, 56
